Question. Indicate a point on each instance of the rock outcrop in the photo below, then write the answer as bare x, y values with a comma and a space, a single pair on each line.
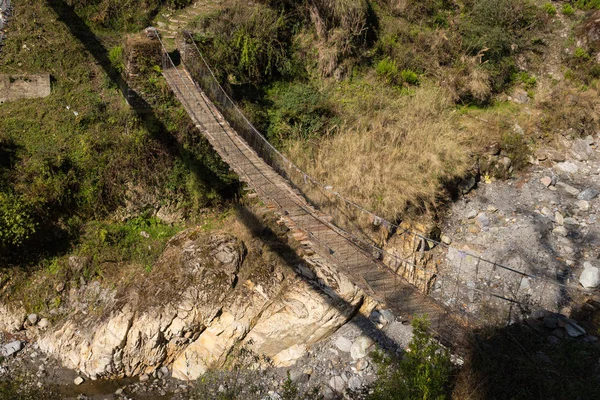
207, 296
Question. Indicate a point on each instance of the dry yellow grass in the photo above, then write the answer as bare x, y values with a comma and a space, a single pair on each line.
393, 150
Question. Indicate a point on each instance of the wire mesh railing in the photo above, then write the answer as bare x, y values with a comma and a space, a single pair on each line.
474, 286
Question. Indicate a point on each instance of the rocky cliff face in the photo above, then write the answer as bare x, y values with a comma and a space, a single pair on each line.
208, 295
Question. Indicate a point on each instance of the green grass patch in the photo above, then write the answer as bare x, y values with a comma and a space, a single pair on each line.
139, 241
568, 9
74, 156
550, 9
587, 4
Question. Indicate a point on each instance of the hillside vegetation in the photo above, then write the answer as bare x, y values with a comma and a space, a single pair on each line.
410, 91
391, 102
81, 172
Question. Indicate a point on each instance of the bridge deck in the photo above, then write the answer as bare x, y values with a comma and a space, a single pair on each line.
308, 225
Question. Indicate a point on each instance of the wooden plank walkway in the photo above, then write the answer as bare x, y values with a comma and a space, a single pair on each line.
308, 226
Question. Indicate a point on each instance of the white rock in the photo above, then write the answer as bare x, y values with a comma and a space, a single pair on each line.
560, 231
32, 319
289, 356
144, 378
583, 205
44, 323
581, 149
568, 188
546, 181
355, 383
361, 364
588, 194
446, 239
567, 167
570, 222
472, 214
590, 277
11, 348
360, 347
482, 220
78, 381
337, 383
343, 344
559, 218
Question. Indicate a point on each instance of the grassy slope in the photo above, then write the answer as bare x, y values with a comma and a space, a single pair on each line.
74, 174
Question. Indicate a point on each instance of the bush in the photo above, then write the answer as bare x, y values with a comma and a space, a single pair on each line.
581, 54
299, 111
139, 240
424, 371
387, 70
588, 4
128, 16
516, 148
410, 77
550, 9
431, 9
176, 4
498, 29
115, 55
16, 221
567, 9
529, 81
248, 44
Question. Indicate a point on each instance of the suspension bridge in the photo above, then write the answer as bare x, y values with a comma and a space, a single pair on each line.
326, 223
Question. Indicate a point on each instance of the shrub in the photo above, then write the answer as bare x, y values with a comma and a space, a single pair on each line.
410, 77
528, 80
299, 111
581, 54
431, 9
176, 4
567, 9
127, 16
139, 240
249, 44
16, 221
550, 9
497, 29
588, 4
516, 148
115, 55
422, 373
387, 70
